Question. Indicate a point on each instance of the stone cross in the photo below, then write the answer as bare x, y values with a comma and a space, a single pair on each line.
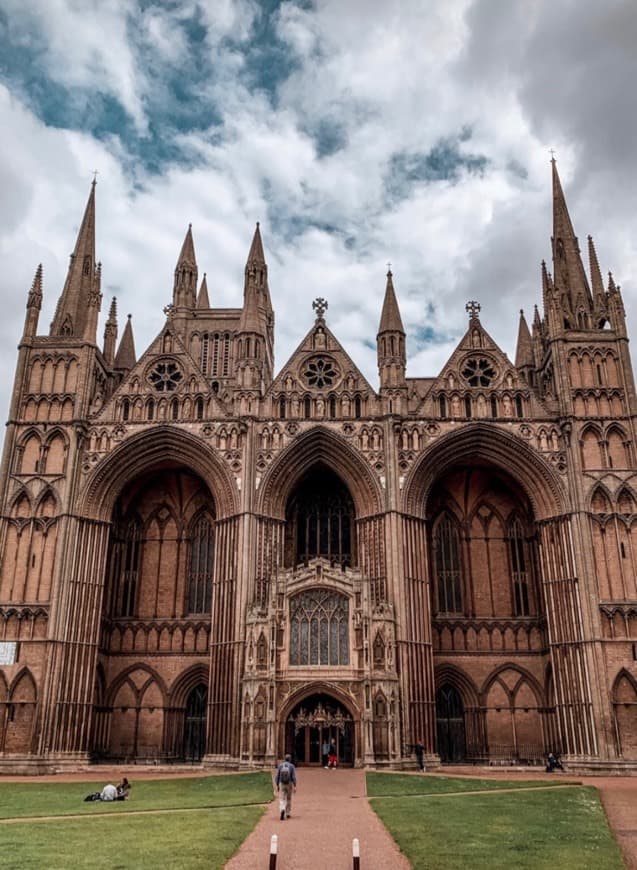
320, 306
473, 308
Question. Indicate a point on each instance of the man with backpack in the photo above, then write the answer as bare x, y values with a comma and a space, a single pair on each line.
285, 784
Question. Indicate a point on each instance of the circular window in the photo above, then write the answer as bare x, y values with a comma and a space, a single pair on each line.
165, 376
479, 372
320, 372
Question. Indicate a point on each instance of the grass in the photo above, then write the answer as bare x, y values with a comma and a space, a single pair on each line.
546, 828
212, 817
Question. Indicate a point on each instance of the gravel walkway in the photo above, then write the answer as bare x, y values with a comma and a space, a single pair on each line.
329, 809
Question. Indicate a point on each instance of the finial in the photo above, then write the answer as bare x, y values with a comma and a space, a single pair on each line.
389, 270
168, 309
258, 224
473, 308
320, 306
522, 311
95, 174
552, 153
130, 316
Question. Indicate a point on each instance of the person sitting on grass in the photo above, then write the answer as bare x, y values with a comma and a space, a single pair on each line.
123, 789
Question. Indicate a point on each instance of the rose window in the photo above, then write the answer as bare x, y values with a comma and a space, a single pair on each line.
479, 372
320, 372
165, 376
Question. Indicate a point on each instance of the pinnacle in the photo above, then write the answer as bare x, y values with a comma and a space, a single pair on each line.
524, 351
202, 299
187, 254
256, 254
125, 357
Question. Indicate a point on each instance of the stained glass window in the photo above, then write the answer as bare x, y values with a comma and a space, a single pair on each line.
519, 570
320, 521
319, 628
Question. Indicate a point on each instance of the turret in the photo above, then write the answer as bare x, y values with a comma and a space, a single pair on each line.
79, 304
390, 345
255, 335
185, 284
524, 361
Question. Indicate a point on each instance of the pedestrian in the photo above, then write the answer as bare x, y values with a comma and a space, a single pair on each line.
419, 749
332, 758
285, 785
325, 751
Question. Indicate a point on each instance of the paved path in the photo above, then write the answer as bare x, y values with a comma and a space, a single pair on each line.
329, 809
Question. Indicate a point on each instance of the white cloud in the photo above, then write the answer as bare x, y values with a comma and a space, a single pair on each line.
395, 81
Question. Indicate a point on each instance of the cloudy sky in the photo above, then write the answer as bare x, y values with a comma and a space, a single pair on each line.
357, 131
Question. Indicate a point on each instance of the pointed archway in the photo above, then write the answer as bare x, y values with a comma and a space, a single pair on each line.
315, 724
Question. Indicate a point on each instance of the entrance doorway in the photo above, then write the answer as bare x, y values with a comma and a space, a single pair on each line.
311, 727
195, 724
450, 725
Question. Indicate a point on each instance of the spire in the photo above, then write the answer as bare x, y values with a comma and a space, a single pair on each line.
80, 293
256, 255
390, 320
569, 275
125, 358
185, 286
34, 304
524, 350
547, 286
110, 333
202, 299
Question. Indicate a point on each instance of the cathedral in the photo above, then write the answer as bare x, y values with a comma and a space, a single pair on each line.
206, 560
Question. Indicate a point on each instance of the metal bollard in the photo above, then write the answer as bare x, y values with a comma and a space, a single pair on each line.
356, 854
274, 848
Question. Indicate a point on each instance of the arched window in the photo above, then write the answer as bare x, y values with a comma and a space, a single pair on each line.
320, 519
519, 569
447, 566
357, 407
124, 567
319, 628
307, 408
494, 406
467, 407
200, 566
519, 409
174, 409
125, 409
150, 409
205, 350
282, 408
332, 407
199, 408
443, 406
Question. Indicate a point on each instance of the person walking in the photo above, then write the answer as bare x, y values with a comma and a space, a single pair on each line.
285, 785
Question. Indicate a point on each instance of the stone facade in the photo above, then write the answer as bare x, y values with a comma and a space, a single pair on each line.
206, 560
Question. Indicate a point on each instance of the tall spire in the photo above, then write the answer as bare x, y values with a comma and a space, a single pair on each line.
125, 358
390, 349
390, 320
524, 350
81, 289
34, 304
568, 270
202, 299
185, 285
110, 333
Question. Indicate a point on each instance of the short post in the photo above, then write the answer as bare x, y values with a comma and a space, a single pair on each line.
356, 854
274, 848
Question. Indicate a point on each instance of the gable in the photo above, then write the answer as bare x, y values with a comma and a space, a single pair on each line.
164, 373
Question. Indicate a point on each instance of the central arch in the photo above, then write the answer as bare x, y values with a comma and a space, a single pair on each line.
319, 446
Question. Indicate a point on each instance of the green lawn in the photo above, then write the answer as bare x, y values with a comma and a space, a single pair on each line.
549, 828
214, 816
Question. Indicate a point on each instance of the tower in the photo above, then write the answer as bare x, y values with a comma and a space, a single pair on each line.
391, 352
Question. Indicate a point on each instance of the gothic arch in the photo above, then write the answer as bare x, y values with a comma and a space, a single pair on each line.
186, 682
122, 678
524, 677
600, 498
480, 442
148, 450
319, 445
319, 688
460, 681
